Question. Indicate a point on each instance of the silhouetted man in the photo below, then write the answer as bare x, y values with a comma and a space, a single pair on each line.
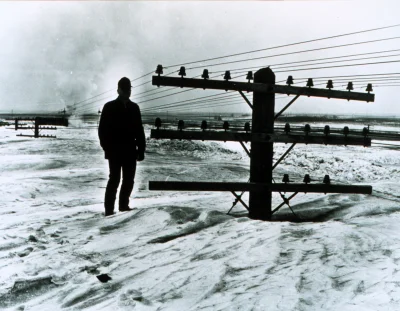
122, 139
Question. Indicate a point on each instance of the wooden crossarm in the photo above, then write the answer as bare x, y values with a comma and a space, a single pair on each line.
259, 187
261, 88
262, 137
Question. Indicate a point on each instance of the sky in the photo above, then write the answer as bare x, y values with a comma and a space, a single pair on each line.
58, 54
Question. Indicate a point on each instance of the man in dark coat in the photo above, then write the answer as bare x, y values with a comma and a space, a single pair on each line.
123, 141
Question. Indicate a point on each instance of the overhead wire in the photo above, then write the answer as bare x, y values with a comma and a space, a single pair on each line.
208, 97
259, 50
285, 45
311, 60
339, 66
296, 52
285, 71
168, 105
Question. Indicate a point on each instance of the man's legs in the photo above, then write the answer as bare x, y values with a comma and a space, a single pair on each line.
112, 185
128, 175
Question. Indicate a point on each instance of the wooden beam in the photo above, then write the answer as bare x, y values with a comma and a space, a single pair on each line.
205, 186
314, 139
261, 88
258, 187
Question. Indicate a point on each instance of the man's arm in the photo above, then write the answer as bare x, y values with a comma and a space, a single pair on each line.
140, 138
104, 127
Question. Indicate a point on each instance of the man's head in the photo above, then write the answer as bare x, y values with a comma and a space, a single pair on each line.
124, 88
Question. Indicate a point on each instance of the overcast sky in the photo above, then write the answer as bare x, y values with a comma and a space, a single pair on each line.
54, 54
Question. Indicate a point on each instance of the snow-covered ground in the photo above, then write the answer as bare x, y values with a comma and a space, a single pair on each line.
180, 250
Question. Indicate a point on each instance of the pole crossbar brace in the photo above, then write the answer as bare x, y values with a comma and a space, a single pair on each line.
283, 156
286, 107
245, 148
285, 201
246, 99
238, 199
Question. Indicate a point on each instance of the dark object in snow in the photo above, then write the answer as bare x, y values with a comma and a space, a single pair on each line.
104, 278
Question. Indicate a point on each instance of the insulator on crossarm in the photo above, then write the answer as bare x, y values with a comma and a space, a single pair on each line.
247, 127
181, 125
306, 179
307, 129
310, 82
226, 126
227, 75
285, 178
329, 85
365, 131
159, 70
289, 80
327, 130
369, 87
327, 180
287, 128
205, 74
249, 76
157, 123
182, 72
203, 125
346, 131
350, 86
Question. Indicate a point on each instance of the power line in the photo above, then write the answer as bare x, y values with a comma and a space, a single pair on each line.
347, 76
312, 60
296, 52
223, 95
272, 55
237, 70
339, 66
330, 62
285, 45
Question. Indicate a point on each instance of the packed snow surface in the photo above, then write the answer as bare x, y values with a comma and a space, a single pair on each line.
180, 250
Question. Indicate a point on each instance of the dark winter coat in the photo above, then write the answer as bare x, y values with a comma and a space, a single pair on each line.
121, 131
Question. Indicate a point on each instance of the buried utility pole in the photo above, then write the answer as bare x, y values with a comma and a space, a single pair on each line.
261, 153
262, 137
39, 124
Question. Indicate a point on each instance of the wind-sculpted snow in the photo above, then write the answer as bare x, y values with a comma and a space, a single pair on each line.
197, 149
179, 250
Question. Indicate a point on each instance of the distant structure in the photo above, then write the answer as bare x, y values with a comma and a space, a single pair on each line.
262, 136
38, 124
